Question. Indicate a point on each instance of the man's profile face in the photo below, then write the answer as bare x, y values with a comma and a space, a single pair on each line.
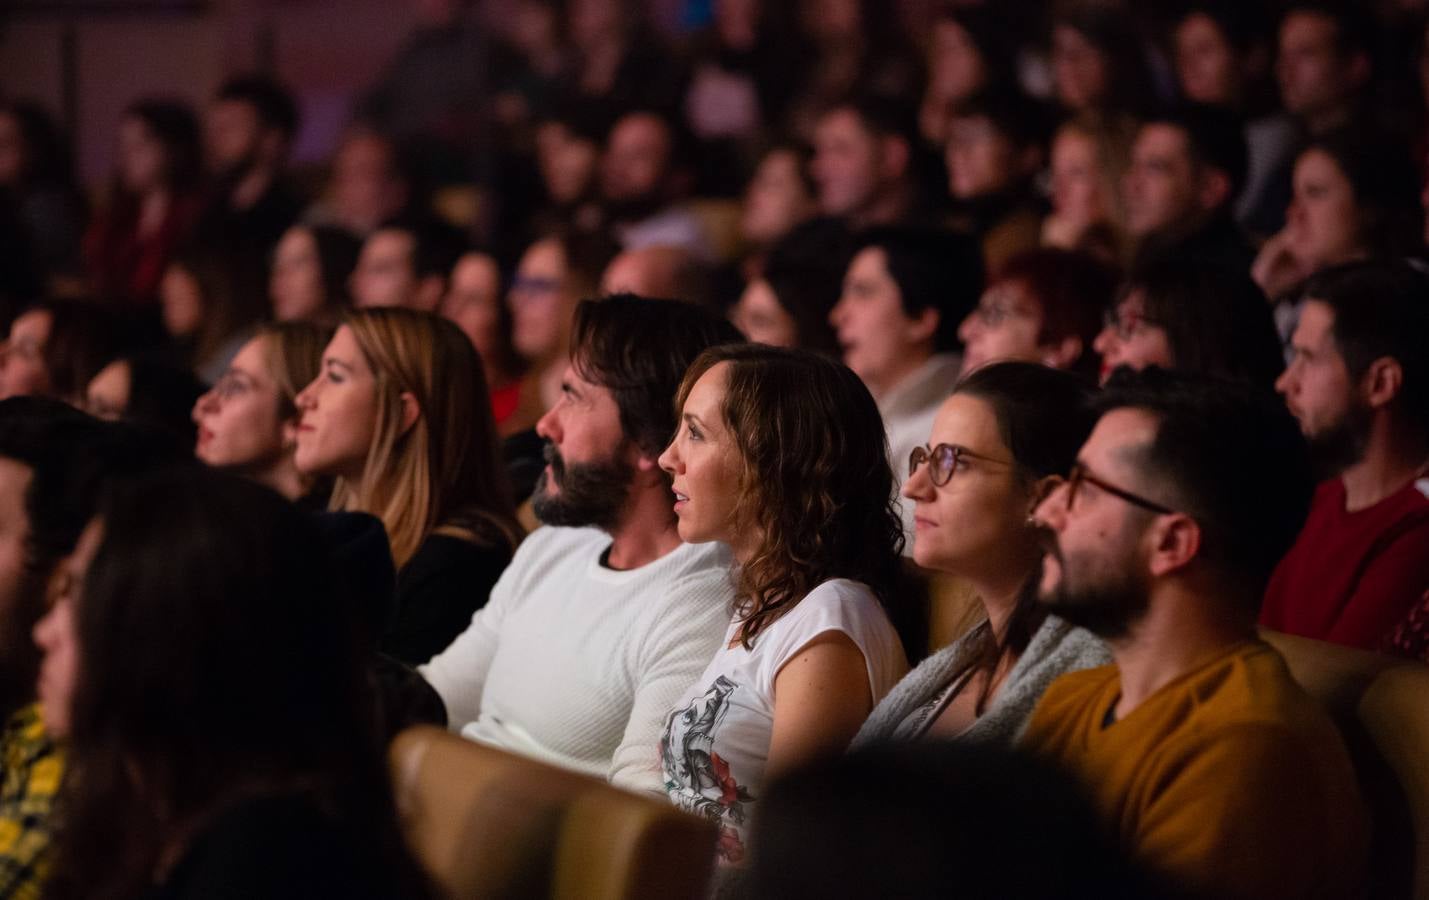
385, 273
846, 163
590, 463
1160, 186
1321, 394
1094, 574
637, 158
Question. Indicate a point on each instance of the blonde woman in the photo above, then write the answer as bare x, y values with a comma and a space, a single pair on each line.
248, 421
398, 416
1087, 164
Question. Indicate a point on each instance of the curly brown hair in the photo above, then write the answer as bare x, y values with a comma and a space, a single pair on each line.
815, 485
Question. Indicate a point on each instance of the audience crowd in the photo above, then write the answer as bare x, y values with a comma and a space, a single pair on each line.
623, 399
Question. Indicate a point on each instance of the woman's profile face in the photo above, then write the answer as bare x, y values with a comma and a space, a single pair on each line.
22, 357
777, 198
762, 318
1129, 338
977, 520
955, 64
338, 412
56, 636
1004, 326
296, 283
1077, 182
540, 306
703, 462
238, 422
1079, 70
1324, 219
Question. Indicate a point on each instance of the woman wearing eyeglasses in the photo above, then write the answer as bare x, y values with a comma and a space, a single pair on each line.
998, 444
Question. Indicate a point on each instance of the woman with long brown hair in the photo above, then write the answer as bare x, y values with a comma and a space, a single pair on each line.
779, 453
398, 416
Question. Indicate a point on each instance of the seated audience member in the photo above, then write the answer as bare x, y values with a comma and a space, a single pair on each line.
151, 392
1099, 63
54, 462
311, 268
1043, 306
1222, 54
248, 421
1087, 165
643, 177
1359, 385
1187, 168
770, 440
554, 275
997, 144
281, 790
780, 196
659, 271
405, 263
604, 616
249, 129
397, 415
1356, 196
152, 206
567, 157
801, 280
865, 165
999, 442
54, 349
970, 49
37, 176
904, 294
474, 304
369, 185
1205, 757
933, 820
1190, 315
211, 301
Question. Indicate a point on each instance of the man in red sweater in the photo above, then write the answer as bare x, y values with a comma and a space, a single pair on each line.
1359, 385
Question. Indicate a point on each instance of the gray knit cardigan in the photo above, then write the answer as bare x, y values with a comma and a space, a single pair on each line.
1055, 649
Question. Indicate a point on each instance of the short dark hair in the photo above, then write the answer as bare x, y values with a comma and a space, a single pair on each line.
172, 123
1217, 320
162, 396
272, 102
1245, 26
1215, 138
1355, 29
805, 271
934, 269
1230, 456
436, 246
1021, 118
639, 348
1381, 309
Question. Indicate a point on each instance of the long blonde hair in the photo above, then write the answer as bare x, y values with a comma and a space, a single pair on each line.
444, 473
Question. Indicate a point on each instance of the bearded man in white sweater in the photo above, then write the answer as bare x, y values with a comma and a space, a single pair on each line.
604, 616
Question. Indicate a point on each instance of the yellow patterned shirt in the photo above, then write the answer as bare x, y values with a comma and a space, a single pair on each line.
31, 765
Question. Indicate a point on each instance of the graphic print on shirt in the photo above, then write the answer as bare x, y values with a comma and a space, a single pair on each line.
696, 778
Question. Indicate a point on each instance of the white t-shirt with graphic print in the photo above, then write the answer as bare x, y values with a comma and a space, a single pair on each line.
716, 741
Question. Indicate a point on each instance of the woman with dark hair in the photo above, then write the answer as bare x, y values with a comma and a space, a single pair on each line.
970, 49
1356, 196
1099, 63
474, 304
780, 196
398, 415
311, 266
151, 392
152, 206
235, 737
54, 349
771, 440
37, 180
1044, 306
1008, 432
853, 46
789, 304
211, 299
1188, 315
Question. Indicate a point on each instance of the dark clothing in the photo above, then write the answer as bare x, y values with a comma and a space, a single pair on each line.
1219, 242
438, 591
278, 847
126, 267
525, 458
251, 231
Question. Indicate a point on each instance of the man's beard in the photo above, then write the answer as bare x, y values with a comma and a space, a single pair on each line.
1107, 606
588, 494
1341, 444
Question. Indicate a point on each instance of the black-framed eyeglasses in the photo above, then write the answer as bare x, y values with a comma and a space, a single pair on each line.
1079, 474
944, 460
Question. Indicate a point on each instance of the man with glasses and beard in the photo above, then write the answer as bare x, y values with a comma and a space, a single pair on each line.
1206, 758
603, 616
1359, 385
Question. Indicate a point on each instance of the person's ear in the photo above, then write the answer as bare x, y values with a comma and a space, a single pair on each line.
1175, 541
1042, 488
1062, 354
923, 326
1382, 382
411, 411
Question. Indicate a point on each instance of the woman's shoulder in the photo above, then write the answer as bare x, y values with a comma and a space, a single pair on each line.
839, 604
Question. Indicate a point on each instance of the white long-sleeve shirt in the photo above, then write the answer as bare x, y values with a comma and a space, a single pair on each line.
577, 664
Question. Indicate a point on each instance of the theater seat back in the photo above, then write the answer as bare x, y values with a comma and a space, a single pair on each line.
486, 823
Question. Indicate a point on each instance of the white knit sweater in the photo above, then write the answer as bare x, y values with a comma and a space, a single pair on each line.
576, 664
